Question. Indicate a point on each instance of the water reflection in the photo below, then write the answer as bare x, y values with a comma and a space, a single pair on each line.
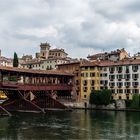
78, 124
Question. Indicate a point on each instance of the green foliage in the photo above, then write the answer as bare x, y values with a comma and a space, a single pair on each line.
106, 96
135, 101
100, 97
94, 97
13, 78
128, 103
15, 60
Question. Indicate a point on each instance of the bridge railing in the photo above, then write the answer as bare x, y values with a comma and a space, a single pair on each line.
38, 86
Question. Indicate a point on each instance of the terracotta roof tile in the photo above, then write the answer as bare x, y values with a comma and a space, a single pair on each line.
41, 72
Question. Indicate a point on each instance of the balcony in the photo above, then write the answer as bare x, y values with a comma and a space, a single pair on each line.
127, 71
111, 79
127, 79
119, 71
135, 70
135, 86
120, 86
112, 86
135, 79
127, 86
112, 71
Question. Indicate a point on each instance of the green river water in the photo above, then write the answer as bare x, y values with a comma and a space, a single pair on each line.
77, 124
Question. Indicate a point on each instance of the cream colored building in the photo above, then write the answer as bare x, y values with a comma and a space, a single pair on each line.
116, 55
46, 59
121, 77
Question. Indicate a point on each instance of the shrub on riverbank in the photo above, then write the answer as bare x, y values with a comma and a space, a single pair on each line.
134, 103
100, 97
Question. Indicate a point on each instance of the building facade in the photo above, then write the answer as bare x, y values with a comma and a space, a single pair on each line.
90, 79
46, 59
75, 69
121, 77
116, 55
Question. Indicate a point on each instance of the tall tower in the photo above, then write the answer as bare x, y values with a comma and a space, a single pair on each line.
44, 50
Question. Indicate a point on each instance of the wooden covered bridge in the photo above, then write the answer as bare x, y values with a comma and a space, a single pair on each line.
34, 90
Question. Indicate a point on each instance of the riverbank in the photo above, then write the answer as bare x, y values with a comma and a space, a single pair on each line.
104, 109
110, 107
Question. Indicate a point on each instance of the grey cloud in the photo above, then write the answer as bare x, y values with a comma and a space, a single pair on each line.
80, 25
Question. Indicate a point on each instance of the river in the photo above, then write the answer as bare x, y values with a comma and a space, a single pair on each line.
77, 124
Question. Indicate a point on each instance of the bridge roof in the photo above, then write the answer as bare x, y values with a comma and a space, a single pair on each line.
35, 72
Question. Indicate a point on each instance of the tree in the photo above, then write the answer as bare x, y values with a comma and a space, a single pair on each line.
94, 97
15, 60
106, 96
135, 101
100, 97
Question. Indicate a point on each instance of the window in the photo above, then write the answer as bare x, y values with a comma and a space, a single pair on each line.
135, 68
92, 74
92, 82
127, 76
135, 83
85, 96
127, 69
105, 68
127, 84
119, 84
112, 84
127, 91
119, 90
135, 76
119, 69
119, 77
92, 88
135, 91
86, 74
85, 82
85, 89
112, 69
111, 76
77, 74
82, 74
113, 90
77, 82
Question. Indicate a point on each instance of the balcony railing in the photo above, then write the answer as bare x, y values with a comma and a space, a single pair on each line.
120, 86
127, 79
135, 70
127, 71
119, 71
127, 86
111, 79
111, 71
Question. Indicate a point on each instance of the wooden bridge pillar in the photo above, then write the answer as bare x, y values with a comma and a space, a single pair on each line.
20, 103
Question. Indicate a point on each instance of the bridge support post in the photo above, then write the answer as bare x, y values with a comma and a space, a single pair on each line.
46, 101
4, 112
21, 104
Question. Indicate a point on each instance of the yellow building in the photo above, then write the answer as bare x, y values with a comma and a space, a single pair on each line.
90, 80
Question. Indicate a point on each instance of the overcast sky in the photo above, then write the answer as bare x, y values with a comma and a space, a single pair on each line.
81, 27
